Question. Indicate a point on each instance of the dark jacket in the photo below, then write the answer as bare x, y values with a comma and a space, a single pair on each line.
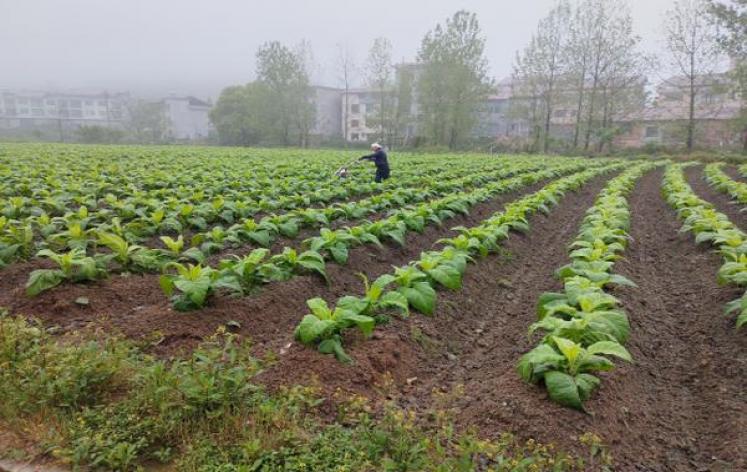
378, 158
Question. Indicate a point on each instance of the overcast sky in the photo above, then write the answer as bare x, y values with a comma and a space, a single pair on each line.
153, 47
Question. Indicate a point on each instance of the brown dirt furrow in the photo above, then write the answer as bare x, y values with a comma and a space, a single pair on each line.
683, 401
734, 173
680, 407
721, 201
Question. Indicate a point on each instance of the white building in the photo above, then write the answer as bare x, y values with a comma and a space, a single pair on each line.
60, 112
188, 118
359, 102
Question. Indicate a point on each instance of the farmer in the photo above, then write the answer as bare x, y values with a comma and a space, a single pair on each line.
379, 158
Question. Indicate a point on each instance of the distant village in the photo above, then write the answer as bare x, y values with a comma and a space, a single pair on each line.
652, 119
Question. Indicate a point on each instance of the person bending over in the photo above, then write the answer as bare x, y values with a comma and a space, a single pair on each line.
379, 159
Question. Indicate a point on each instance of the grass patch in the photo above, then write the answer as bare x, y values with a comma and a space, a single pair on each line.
99, 402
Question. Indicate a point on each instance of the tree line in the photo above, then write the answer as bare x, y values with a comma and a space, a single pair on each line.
581, 72
584, 64
439, 96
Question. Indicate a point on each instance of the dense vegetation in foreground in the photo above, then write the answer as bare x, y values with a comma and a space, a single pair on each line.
233, 309
100, 401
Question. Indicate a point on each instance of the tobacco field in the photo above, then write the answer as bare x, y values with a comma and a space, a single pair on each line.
188, 308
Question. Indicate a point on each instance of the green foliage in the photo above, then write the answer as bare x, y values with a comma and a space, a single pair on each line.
709, 225
584, 323
191, 285
74, 266
453, 80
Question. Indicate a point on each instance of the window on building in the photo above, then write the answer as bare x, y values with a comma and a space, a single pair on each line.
75, 103
23, 101
363, 137
102, 103
355, 123
354, 136
37, 112
355, 108
88, 103
76, 113
652, 131
51, 102
23, 111
36, 102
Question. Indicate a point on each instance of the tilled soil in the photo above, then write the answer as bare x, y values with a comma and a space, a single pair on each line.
679, 407
721, 201
135, 306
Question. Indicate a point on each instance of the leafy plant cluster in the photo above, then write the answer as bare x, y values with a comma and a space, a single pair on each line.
107, 406
719, 180
414, 285
190, 285
79, 240
58, 213
584, 325
709, 225
335, 244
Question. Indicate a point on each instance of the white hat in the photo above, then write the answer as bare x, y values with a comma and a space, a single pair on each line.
376, 146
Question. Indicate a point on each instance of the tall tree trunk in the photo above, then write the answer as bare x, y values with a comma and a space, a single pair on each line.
579, 107
605, 119
346, 105
590, 115
691, 111
548, 115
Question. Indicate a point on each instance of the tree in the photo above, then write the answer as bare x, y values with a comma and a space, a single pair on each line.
541, 65
404, 101
379, 78
148, 122
238, 115
346, 70
731, 19
691, 44
284, 74
454, 82
584, 63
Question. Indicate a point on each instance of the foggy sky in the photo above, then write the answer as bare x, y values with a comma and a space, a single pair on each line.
154, 47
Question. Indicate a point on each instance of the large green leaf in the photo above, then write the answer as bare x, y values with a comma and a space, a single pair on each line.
365, 323
339, 253
333, 345
610, 348
563, 389
394, 299
420, 296
586, 384
43, 279
446, 275
196, 290
537, 361
311, 329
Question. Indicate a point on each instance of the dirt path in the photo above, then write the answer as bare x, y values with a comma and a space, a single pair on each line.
721, 201
686, 393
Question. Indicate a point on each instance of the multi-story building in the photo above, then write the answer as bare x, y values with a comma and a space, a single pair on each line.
358, 106
188, 118
328, 116
60, 112
717, 105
